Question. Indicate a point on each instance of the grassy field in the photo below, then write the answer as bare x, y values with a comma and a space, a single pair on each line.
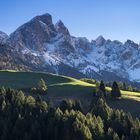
57, 85
129, 102
128, 94
62, 86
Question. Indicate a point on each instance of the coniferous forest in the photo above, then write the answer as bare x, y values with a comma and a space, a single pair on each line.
30, 118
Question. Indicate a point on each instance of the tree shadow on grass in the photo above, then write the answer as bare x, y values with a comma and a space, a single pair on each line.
70, 90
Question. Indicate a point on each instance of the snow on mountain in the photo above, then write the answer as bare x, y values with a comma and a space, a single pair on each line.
50, 47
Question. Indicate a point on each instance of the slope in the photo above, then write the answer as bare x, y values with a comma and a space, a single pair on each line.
57, 85
62, 87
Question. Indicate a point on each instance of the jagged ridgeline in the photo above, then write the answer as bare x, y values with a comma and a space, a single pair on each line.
41, 45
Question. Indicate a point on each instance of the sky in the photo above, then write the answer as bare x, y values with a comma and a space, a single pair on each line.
113, 19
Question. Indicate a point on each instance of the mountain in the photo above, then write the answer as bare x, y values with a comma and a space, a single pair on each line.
3, 37
41, 45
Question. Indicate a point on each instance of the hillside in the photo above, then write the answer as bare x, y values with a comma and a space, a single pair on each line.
62, 86
58, 85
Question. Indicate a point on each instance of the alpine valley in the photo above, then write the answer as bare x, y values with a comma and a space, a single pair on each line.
41, 45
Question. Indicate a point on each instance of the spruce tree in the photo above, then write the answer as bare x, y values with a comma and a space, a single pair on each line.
116, 137
115, 92
124, 86
130, 88
42, 87
102, 88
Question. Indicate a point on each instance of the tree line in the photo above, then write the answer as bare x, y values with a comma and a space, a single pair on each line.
121, 85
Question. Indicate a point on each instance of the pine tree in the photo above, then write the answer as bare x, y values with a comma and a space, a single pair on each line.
3, 105
115, 90
116, 137
124, 86
102, 88
130, 88
110, 133
42, 87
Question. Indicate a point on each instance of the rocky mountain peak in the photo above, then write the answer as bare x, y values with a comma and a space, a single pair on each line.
60, 27
3, 36
45, 18
100, 40
34, 34
131, 43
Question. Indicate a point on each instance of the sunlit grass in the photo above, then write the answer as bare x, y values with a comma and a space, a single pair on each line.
8, 71
58, 85
128, 94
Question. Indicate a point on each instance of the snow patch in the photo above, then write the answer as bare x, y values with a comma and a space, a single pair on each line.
28, 51
43, 24
90, 68
51, 59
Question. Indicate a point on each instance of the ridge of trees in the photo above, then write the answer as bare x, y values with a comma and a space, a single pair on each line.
122, 85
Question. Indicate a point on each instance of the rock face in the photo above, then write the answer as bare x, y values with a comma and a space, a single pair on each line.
100, 41
33, 34
41, 45
61, 28
3, 37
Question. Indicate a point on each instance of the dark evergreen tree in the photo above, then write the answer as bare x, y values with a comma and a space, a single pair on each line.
124, 86
102, 88
115, 92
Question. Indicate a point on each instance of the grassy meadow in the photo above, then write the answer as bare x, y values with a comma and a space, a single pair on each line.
63, 86
57, 85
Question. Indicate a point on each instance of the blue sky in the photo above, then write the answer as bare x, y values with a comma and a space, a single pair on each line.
114, 19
